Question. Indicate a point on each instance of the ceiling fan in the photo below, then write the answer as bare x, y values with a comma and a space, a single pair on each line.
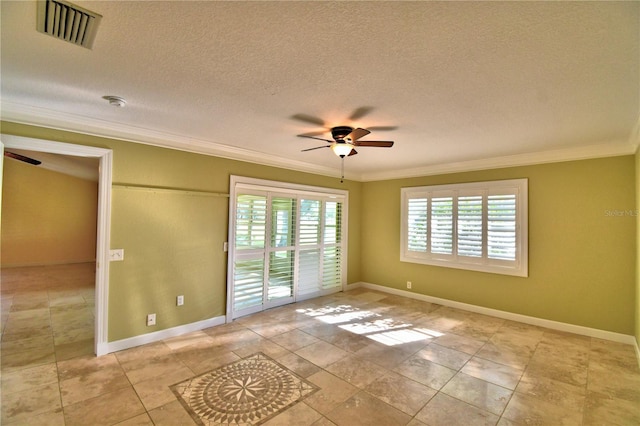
345, 140
22, 158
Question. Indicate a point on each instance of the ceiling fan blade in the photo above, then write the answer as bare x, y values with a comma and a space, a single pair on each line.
360, 112
22, 158
353, 152
306, 135
380, 144
309, 119
317, 147
317, 133
382, 128
357, 134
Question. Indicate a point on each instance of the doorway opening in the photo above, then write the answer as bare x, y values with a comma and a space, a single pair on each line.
104, 157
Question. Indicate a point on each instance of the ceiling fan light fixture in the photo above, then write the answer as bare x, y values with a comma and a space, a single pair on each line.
342, 149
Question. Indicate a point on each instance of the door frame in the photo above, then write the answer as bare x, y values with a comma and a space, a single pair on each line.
103, 221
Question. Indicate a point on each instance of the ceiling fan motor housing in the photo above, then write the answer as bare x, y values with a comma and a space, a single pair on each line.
340, 132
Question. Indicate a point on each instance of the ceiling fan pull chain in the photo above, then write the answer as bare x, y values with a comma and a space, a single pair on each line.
342, 170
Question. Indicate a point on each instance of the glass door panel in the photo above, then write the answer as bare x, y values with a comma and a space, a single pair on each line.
280, 285
280, 275
248, 284
309, 278
248, 266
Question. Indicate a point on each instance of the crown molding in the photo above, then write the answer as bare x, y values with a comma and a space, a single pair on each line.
44, 117
609, 149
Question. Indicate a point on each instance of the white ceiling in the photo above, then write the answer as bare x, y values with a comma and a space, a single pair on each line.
469, 85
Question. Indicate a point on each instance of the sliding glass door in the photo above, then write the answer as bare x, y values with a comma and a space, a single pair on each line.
286, 246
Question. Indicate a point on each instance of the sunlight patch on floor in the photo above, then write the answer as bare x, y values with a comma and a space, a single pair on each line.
384, 330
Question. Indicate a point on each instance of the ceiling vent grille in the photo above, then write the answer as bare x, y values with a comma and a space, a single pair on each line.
68, 22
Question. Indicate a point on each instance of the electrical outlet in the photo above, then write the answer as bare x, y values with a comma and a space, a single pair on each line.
409, 285
180, 300
151, 320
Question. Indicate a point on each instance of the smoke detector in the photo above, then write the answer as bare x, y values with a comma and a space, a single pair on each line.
115, 101
68, 22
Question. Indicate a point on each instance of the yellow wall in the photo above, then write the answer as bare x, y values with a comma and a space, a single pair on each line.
47, 217
581, 259
637, 325
173, 241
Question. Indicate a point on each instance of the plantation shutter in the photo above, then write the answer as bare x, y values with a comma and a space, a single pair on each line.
249, 283
478, 226
251, 222
288, 244
417, 224
281, 249
310, 280
501, 223
309, 271
332, 254
309, 222
442, 225
470, 226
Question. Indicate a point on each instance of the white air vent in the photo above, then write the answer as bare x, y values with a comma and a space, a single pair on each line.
68, 22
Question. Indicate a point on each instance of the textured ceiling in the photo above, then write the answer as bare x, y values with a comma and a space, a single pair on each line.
465, 84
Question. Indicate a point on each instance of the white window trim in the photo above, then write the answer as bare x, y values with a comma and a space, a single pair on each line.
519, 267
254, 185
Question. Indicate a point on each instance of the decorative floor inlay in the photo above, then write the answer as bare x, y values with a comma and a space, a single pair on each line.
245, 392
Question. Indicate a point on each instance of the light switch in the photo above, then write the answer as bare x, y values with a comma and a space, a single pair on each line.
116, 255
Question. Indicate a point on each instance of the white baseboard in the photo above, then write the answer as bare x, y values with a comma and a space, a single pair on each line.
352, 286
143, 339
554, 325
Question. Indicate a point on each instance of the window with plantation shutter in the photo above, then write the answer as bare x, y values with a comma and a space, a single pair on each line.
288, 244
480, 226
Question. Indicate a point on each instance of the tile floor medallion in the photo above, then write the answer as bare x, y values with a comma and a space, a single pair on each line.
245, 392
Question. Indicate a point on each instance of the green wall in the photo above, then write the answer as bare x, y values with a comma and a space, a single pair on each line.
581, 252
582, 258
173, 240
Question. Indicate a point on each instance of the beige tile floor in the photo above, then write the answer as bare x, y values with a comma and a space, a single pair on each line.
378, 360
